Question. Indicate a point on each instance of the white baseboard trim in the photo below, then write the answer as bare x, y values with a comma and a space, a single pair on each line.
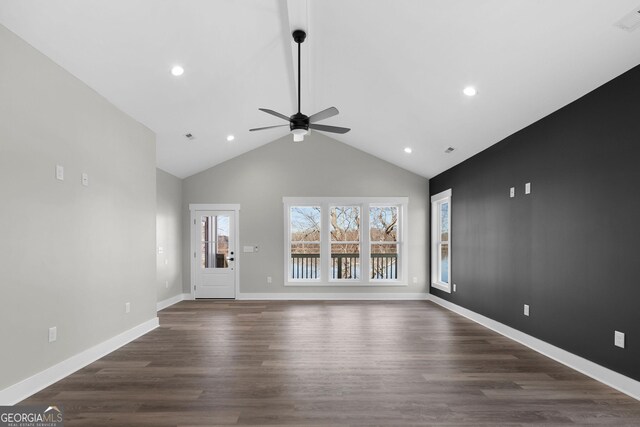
25, 388
333, 296
606, 376
173, 300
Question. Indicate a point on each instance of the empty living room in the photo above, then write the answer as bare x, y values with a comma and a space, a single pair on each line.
319, 213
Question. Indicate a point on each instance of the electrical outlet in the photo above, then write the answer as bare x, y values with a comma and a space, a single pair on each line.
269, 279
526, 309
455, 287
127, 307
618, 339
85, 179
53, 334
415, 280
512, 192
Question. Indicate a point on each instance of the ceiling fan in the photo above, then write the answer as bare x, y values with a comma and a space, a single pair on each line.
300, 123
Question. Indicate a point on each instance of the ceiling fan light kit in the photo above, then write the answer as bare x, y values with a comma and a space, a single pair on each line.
299, 124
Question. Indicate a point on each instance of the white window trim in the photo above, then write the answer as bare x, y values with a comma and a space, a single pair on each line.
435, 219
364, 203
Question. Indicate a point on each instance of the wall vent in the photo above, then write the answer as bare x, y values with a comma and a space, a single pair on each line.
449, 150
190, 136
631, 21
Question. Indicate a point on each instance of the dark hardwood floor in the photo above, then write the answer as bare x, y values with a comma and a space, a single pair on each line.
329, 363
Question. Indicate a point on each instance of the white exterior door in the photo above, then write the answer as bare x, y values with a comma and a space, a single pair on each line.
215, 254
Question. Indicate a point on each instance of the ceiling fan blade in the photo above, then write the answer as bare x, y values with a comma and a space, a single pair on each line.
324, 114
267, 127
274, 113
332, 129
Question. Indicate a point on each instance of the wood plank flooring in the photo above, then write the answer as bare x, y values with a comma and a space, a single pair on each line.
329, 363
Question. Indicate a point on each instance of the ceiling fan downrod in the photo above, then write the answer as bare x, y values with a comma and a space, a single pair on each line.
299, 123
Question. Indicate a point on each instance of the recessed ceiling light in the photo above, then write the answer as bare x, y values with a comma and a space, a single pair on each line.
408, 150
470, 91
230, 138
177, 70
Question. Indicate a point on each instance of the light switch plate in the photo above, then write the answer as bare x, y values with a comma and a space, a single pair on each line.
127, 307
53, 334
247, 249
455, 287
85, 179
60, 173
526, 309
527, 188
269, 279
618, 339
512, 192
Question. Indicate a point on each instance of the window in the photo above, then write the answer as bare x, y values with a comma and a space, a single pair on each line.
383, 238
345, 242
441, 241
304, 242
340, 241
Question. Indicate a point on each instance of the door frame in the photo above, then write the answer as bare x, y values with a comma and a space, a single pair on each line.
194, 208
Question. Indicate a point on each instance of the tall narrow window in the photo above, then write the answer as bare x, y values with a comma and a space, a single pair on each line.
384, 243
305, 242
441, 241
345, 242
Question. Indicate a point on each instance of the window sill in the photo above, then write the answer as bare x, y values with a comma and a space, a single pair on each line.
441, 286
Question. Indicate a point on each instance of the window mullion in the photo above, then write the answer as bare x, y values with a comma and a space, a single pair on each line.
325, 243
365, 248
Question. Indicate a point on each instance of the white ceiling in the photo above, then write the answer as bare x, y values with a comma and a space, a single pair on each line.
394, 69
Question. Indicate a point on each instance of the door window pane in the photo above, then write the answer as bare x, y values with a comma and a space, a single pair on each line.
214, 234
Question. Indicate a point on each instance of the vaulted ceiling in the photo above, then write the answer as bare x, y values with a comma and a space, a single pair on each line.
394, 68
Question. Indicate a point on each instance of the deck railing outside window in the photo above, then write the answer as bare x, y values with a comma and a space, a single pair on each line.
344, 266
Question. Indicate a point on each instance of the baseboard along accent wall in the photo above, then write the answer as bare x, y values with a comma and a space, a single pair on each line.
599, 373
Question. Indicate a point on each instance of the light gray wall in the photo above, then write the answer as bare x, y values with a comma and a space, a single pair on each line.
70, 256
168, 235
319, 166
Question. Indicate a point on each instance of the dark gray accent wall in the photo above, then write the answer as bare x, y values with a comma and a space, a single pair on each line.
570, 249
